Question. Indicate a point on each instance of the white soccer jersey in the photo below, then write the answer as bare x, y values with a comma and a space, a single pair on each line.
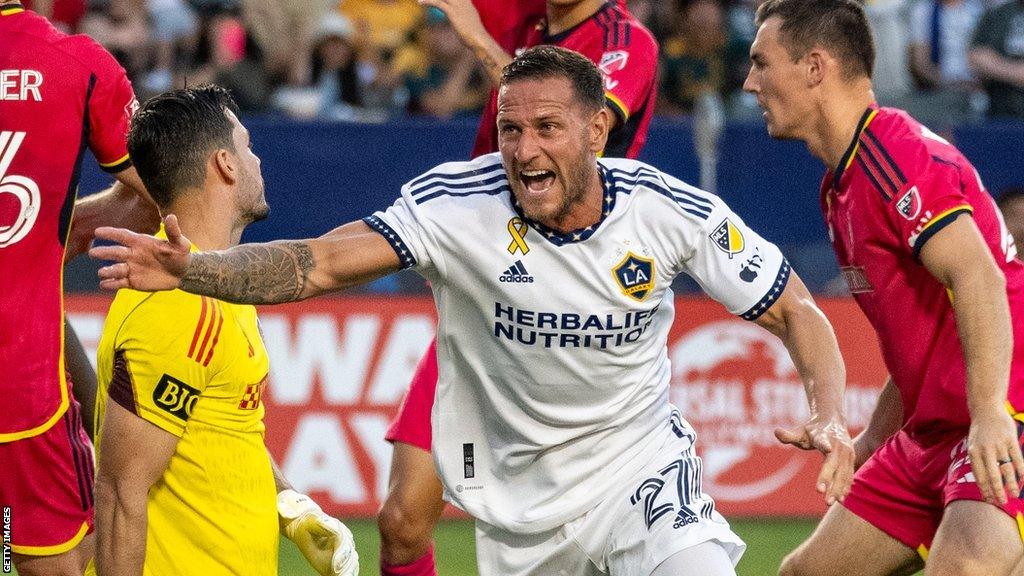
553, 368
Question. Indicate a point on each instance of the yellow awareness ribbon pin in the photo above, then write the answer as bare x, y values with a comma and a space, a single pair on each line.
517, 228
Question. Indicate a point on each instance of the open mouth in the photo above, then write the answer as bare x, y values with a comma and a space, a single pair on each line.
537, 180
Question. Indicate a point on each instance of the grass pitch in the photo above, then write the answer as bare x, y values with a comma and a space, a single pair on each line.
768, 540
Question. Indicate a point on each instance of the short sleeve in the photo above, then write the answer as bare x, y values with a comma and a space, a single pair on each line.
111, 105
162, 359
736, 266
629, 73
923, 207
401, 227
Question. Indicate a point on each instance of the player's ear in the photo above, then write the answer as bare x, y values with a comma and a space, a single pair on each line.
816, 63
600, 125
225, 163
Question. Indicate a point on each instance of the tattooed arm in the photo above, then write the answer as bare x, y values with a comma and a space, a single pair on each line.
270, 273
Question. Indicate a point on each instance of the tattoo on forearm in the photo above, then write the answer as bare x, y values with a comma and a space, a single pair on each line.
252, 274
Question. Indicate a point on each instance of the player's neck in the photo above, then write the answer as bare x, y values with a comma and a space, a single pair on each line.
209, 225
838, 120
562, 18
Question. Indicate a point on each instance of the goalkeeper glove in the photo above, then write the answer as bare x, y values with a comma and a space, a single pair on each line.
326, 543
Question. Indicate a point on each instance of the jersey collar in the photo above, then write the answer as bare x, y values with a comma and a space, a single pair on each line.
11, 8
558, 238
162, 234
557, 38
851, 151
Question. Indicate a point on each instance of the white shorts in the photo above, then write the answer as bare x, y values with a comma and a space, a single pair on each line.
660, 511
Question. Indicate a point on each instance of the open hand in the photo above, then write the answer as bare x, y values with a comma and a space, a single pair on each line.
830, 437
142, 262
994, 449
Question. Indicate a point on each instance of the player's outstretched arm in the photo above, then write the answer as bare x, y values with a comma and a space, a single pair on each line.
268, 273
466, 21
808, 336
133, 455
959, 258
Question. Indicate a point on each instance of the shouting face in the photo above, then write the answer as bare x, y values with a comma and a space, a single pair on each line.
549, 143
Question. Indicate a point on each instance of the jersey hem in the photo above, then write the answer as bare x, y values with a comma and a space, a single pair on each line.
37, 430
56, 548
776, 290
938, 223
121, 164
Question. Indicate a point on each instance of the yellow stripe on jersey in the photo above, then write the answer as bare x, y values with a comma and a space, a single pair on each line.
56, 548
943, 215
860, 130
11, 10
120, 160
619, 106
1020, 525
922, 551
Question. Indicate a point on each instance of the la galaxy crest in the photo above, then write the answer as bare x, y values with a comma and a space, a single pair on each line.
635, 276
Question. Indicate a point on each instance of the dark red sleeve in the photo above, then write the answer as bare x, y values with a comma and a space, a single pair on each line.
111, 105
629, 69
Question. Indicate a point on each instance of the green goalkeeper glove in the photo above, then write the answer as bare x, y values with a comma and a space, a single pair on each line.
326, 543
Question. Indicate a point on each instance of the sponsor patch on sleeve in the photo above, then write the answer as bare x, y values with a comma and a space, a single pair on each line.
175, 397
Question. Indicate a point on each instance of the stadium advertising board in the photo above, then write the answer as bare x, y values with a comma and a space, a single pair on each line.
339, 368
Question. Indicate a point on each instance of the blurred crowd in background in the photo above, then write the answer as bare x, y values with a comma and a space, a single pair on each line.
946, 61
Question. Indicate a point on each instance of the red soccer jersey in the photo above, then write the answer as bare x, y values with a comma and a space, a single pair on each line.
627, 55
897, 186
58, 94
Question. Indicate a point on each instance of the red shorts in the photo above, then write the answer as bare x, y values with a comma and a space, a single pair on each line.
46, 480
905, 486
412, 424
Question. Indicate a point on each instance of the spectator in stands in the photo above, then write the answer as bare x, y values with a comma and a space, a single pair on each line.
383, 25
335, 67
120, 26
283, 30
63, 14
997, 57
174, 32
1011, 204
693, 57
335, 91
940, 32
888, 20
441, 74
226, 57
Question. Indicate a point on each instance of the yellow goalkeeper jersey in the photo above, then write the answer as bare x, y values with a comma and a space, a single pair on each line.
196, 367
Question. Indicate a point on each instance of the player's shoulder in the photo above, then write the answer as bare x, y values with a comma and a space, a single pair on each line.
624, 31
897, 149
138, 314
90, 54
675, 198
483, 175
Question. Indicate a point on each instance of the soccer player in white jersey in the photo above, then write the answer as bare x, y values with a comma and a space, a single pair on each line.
551, 271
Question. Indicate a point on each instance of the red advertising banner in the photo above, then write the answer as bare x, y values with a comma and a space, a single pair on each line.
339, 368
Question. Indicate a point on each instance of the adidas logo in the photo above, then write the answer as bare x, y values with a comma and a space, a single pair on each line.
516, 273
